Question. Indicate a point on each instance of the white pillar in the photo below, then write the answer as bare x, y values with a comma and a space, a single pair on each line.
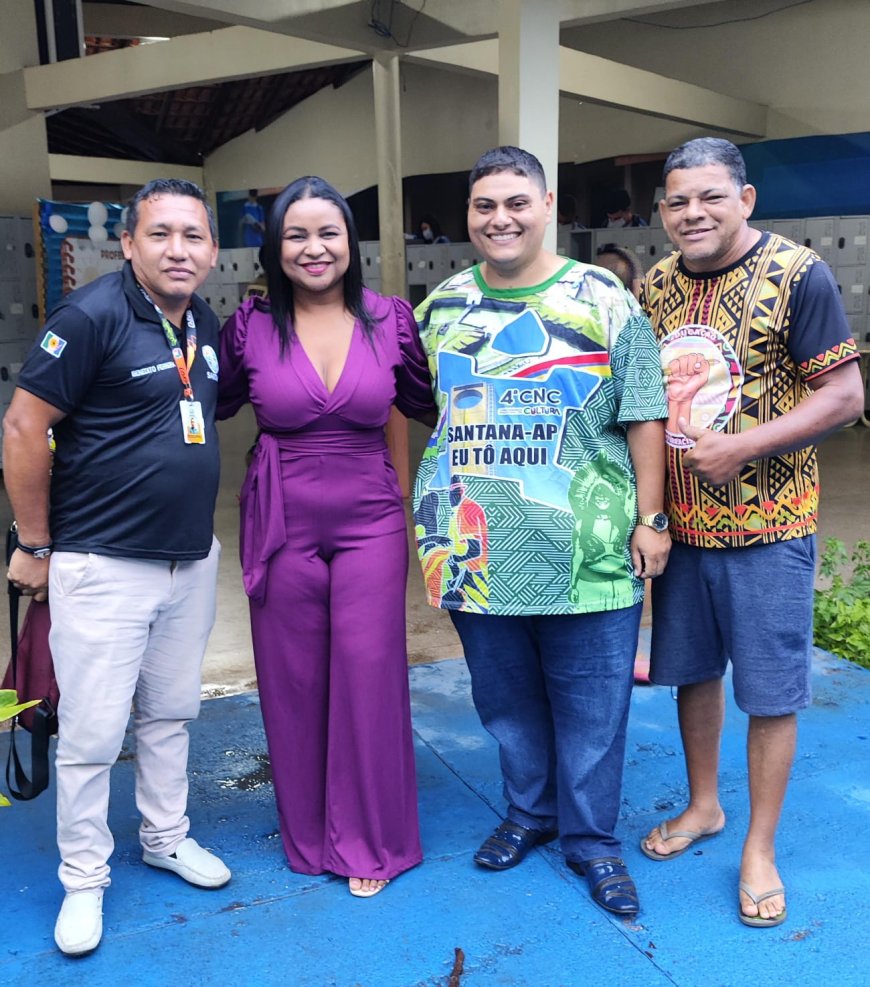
528, 84
388, 141
24, 169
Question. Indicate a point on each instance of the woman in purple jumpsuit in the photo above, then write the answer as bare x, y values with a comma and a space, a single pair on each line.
323, 539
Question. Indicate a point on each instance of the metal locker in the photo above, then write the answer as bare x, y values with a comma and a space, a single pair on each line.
820, 235
791, 229
853, 282
851, 240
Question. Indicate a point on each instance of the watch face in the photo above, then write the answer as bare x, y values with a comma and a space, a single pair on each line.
660, 522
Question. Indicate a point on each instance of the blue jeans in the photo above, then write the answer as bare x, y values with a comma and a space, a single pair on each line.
554, 691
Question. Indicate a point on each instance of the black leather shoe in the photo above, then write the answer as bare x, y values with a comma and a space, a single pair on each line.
509, 844
610, 883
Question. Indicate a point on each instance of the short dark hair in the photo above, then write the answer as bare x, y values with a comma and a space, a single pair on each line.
566, 205
432, 223
508, 158
253, 193
280, 286
708, 151
617, 199
168, 186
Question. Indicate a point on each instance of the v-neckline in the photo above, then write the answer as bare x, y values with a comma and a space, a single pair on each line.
316, 373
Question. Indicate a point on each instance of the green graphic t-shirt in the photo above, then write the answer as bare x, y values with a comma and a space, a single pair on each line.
525, 497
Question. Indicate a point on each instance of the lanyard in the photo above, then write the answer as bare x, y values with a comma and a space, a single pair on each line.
183, 366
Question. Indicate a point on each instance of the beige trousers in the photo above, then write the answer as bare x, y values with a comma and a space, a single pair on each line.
125, 632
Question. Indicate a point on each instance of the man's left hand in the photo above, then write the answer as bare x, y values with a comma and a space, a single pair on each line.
716, 457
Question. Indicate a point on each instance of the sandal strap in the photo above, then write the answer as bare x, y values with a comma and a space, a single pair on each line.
762, 897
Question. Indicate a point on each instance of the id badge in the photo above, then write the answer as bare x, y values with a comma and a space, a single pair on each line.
192, 422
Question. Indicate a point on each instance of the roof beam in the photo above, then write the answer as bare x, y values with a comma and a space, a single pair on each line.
476, 19
192, 60
240, 11
576, 12
600, 80
112, 171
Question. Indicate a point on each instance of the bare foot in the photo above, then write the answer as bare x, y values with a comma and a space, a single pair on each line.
690, 820
758, 872
365, 887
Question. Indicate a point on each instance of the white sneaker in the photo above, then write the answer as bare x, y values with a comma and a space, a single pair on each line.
195, 864
79, 926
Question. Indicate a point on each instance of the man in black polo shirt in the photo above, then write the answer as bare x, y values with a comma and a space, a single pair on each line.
118, 531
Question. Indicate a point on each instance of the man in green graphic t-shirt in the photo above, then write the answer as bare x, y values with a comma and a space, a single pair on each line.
538, 510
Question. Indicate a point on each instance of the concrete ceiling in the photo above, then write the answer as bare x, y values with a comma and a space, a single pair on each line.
244, 63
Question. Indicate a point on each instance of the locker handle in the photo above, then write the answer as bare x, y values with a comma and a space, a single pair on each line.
4, 374
841, 242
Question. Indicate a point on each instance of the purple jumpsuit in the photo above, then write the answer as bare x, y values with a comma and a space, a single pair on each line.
325, 559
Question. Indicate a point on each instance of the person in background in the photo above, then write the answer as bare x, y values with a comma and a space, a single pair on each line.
566, 212
624, 263
429, 231
323, 539
253, 220
761, 366
258, 287
538, 509
118, 531
617, 209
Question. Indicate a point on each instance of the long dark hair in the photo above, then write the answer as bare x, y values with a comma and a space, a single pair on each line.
280, 286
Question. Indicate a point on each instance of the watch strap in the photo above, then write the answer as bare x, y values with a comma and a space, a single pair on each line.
37, 551
649, 520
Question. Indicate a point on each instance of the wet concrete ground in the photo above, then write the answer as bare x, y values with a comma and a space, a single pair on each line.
530, 927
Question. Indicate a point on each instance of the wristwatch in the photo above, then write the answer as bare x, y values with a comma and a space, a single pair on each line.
658, 522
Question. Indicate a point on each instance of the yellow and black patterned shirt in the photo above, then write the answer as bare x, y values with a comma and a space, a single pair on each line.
738, 348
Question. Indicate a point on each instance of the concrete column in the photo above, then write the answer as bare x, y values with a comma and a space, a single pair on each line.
528, 84
388, 140
24, 168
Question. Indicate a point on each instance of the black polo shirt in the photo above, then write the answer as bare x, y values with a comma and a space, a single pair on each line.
124, 481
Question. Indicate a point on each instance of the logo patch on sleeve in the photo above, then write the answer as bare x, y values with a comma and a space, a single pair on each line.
52, 344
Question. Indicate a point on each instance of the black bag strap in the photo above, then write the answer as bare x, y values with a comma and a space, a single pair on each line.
23, 788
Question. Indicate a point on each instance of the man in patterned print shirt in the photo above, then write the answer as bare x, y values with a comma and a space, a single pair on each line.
538, 512
760, 366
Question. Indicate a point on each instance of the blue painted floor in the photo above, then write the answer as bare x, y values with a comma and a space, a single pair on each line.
533, 926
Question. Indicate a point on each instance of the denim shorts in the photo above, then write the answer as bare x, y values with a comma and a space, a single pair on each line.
752, 606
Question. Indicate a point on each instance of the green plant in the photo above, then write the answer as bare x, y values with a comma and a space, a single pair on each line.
842, 612
9, 707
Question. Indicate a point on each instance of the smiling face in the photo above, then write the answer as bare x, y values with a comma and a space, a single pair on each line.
171, 250
705, 215
315, 251
507, 217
